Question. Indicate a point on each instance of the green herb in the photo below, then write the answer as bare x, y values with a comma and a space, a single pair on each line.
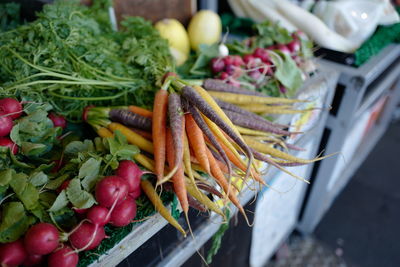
9, 16
70, 57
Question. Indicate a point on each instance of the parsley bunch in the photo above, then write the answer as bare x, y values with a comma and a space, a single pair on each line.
71, 58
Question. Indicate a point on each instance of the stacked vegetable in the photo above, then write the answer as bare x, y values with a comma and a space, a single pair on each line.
189, 133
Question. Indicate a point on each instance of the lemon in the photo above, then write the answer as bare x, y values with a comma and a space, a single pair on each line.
175, 33
204, 28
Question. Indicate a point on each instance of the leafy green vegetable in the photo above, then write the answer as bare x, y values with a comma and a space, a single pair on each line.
38, 179
70, 57
14, 222
89, 172
25, 191
60, 202
287, 72
5, 177
9, 16
197, 66
81, 199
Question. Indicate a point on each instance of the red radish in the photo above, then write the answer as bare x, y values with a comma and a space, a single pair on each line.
12, 107
224, 76
282, 89
83, 239
261, 54
41, 239
98, 215
80, 211
136, 194
283, 48
294, 46
217, 65
64, 257
230, 69
109, 189
6, 124
33, 260
248, 59
237, 61
12, 254
254, 74
58, 120
123, 213
228, 60
131, 173
5, 141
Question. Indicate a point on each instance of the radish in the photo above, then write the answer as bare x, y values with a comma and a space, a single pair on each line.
41, 239
228, 60
5, 141
111, 189
87, 236
283, 48
123, 213
58, 120
64, 257
224, 75
136, 193
98, 215
217, 65
33, 260
234, 82
230, 69
131, 173
6, 124
80, 211
261, 54
237, 61
294, 46
12, 254
12, 107
248, 59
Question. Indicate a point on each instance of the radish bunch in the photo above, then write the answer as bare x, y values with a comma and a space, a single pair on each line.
10, 110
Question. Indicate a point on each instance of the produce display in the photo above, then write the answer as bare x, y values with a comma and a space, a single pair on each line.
98, 131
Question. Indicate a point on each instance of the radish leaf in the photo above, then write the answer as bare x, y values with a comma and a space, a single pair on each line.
14, 222
60, 202
89, 172
79, 198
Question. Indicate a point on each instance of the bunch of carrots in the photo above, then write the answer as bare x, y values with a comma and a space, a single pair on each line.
193, 131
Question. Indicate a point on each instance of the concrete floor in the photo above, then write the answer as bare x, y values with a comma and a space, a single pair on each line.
362, 228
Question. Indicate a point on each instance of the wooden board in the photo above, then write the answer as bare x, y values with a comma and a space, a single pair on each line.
155, 10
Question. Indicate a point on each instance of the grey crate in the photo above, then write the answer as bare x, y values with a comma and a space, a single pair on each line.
358, 89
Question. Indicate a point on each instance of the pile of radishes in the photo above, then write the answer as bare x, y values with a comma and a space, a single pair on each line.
255, 68
10, 110
116, 197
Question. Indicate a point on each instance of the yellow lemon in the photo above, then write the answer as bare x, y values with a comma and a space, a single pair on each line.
204, 28
175, 33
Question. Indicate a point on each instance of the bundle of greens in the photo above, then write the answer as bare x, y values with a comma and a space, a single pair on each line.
71, 58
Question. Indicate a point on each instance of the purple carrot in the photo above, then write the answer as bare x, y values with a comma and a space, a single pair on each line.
209, 189
242, 120
207, 132
196, 204
131, 119
294, 147
176, 122
190, 94
234, 108
220, 86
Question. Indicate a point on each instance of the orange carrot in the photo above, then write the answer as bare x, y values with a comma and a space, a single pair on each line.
141, 111
222, 181
159, 125
196, 141
178, 179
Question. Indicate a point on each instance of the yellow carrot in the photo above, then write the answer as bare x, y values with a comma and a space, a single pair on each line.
267, 149
186, 158
251, 99
247, 131
145, 161
132, 137
270, 109
104, 132
151, 193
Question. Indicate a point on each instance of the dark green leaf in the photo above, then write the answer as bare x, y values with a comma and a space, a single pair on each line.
5, 176
14, 222
78, 146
